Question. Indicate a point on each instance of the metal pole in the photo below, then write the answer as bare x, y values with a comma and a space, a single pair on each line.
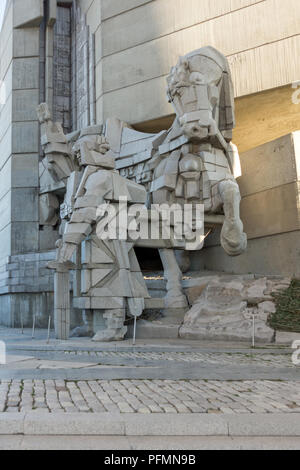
253, 331
49, 325
134, 331
33, 327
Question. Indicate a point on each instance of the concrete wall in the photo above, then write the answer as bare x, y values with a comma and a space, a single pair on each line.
19, 152
270, 210
6, 55
19, 134
263, 117
137, 42
83, 69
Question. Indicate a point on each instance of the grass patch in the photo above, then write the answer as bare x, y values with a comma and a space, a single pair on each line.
287, 315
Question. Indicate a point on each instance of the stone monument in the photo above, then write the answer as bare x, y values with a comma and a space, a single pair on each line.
194, 162
107, 280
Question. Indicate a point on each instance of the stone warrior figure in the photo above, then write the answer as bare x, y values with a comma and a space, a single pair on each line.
108, 281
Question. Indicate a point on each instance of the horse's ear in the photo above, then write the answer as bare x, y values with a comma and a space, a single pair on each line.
227, 116
185, 63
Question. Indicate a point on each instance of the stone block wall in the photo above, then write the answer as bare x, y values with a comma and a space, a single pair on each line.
26, 277
19, 132
27, 273
83, 70
26, 289
137, 42
23, 68
141, 40
62, 68
270, 210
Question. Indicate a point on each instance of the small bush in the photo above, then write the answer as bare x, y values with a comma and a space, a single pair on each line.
287, 316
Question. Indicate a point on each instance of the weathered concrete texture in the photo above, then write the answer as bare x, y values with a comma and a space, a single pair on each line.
18, 309
26, 289
28, 13
19, 149
147, 443
154, 329
264, 256
101, 424
167, 28
83, 61
270, 211
226, 306
270, 187
275, 113
271, 165
19, 145
110, 9
221, 308
62, 68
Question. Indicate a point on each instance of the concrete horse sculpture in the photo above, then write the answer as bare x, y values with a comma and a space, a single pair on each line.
194, 161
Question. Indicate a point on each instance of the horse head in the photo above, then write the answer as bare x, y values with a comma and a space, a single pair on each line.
201, 91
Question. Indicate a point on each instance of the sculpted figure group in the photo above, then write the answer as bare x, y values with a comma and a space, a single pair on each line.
194, 162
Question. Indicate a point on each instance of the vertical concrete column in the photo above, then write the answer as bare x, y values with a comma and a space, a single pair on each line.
62, 71
24, 219
62, 303
83, 63
19, 153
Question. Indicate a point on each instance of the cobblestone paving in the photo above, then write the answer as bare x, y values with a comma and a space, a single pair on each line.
150, 396
265, 359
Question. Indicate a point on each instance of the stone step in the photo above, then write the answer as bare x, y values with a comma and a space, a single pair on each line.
158, 294
156, 286
154, 303
153, 330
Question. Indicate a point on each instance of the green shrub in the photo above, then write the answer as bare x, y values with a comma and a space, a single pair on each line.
287, 316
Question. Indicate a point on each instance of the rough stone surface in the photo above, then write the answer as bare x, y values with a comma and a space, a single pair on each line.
226, 308
203, 399
104, 269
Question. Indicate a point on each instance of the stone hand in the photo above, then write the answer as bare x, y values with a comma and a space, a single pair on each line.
65, 252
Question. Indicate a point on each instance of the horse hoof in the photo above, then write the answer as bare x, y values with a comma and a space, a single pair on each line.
233, 239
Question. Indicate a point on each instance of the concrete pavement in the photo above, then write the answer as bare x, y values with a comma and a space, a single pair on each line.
159, 394
132, 443
113, 424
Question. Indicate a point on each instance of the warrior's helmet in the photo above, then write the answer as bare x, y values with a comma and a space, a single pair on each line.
92, 148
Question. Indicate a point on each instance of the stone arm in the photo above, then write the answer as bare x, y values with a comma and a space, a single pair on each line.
59, 160
94, 187
76, 230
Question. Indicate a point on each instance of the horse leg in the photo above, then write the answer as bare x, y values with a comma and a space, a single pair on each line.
175, 297
233, 238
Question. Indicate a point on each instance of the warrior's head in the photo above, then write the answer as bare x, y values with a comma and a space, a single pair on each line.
43, 113
200, 89
92, 148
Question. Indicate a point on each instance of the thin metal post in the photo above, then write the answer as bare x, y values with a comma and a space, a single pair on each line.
33, 327
134, 331
253, 331
49, 326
